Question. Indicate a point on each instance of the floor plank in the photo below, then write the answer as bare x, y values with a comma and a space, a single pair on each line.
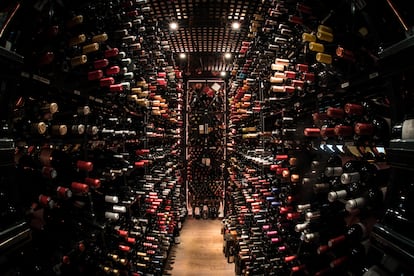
200, 252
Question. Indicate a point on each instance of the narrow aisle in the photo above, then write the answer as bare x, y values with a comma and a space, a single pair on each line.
200, 252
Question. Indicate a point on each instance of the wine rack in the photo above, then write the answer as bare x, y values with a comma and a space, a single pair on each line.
93, 128
205, 147
310, 108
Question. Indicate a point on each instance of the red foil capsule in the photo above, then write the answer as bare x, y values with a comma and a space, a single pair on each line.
130, 240
161, 82
295, 215
111, 53
133, 13
327, 132
81, 247
345, 131
364, 129
45, 200
271, 233
95, 75
289, 89
274, 240
84, 165
309, 77
335, 241
63, 192
290, 258
139, 164
124, 248
335, 112
78, 187
295, 19
93, 182
318, 117
322, 249
339, 261
116, 88
284, 210
106, 81
113, 70
303, 8
66, 259
345, 54
142, 151
312, 132
298, 268
281, 157
298, 83
52, 31
354, 109
302, 67
280, 171
290, 74
101, 63
122, 233
47, 58
49, 172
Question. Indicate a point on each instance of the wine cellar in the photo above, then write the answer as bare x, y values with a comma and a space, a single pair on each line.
196, 137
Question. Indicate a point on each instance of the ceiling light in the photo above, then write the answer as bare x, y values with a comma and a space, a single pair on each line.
183, 56
173, 26
235, 25
227, 56
223, 73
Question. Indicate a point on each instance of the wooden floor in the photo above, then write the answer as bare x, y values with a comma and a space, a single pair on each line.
200, 252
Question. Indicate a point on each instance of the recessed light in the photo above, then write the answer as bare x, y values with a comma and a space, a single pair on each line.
173, 26
235, 25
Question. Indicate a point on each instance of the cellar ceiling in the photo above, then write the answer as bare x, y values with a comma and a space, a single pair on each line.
204, 31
